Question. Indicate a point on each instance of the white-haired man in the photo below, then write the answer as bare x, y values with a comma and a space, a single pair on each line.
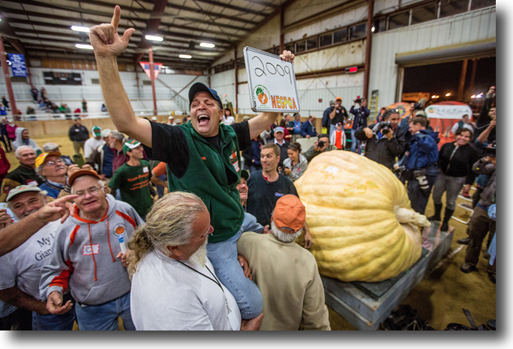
102, 157
203, 156
20, 270
23, 174
94, 142
169, 253
285, 273
87, 257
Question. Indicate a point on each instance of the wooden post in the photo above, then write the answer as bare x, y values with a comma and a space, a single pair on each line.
236, 68
368, 50
14, 110
152, 77
463, 75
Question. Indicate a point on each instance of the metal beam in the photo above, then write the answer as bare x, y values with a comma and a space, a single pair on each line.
152, 25
264, 3
214, 14
232, 7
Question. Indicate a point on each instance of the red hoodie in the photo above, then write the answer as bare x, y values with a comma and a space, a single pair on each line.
4, 164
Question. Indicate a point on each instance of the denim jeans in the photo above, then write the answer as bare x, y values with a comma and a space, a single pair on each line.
418, 197
104, 317
50, 322
160, 189
223, 256
354, 142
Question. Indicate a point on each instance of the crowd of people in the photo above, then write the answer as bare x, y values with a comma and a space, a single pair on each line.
96, 241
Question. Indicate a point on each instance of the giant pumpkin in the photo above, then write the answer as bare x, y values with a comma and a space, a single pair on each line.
360, 218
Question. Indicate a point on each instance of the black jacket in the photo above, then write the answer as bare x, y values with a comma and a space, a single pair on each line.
483, 120
460, 165
78, 133
383, 151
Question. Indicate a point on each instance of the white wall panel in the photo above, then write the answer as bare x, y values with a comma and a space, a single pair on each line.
224, 84
266, 37
331, 58
305, 8
464, 28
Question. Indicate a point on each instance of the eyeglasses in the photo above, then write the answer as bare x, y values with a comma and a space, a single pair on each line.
91, 191
210, 230
52, 163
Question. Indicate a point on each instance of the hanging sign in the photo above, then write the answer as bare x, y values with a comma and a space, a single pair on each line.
18, 65
146, 67
271, 82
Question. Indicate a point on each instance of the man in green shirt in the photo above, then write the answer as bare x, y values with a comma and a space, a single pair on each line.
203, 157
133, 179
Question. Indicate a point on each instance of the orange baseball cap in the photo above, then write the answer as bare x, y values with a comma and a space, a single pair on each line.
338, 98
82, 172
289, 214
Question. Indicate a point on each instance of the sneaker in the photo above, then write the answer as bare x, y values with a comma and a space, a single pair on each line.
464, 241
467, 268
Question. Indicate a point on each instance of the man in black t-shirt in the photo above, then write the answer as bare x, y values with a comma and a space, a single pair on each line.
338, 113
266, 186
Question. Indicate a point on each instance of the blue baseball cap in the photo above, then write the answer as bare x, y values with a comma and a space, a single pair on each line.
199, 87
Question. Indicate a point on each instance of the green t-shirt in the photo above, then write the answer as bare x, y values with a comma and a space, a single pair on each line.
134, 184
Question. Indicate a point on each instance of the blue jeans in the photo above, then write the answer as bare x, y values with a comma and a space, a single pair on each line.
50, 322
223, 256
418, 197
160, 189
104, 317
333, 128
354, 142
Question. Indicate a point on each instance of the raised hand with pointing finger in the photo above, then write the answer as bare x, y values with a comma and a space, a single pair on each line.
105, 39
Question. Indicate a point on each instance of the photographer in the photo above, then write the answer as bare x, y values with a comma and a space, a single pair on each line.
337, 114
320, 146
361, 113
421, 170
487, 114
383, 150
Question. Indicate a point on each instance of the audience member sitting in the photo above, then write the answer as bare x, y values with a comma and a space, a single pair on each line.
5, 165
20, 270
279, 134
308, 128
94, 142
133, 179
23, 138
87, 259
320, 146
297, 275
169, 253
30, 110
295, 164
54, 108
52, 169
23, 174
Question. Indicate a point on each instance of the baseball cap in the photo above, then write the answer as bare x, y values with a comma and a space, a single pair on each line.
97, 131
80, 173
279, 129
130, 145
244, 174
421, 113
332, 102
199, 87
339, 124
49, 147
289, 214
106, 133
42, 157
153, 118
23, 189
338, 98
170, 118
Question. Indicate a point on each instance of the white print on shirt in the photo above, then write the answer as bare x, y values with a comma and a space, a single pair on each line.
145, 169
44, 242
91, 249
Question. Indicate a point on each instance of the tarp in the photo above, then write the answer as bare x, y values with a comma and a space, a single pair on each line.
402, 107
442, 116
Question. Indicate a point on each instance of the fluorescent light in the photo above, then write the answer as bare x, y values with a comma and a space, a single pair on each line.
87, 47
185, 56
206, 44
153, 38
447, 94
373, 29
78, 28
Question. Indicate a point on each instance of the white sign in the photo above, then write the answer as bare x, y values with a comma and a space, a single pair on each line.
271, 82
440, 111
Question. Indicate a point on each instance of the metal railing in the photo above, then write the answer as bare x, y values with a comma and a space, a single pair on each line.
104, 115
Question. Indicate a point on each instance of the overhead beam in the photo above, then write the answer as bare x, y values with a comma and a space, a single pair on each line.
152, 25
232, 7
209, 13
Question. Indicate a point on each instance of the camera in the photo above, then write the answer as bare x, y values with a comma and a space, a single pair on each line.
321, 144
420, 176
385, 127
358, 100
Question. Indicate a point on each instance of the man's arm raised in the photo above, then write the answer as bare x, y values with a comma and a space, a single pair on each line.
264, 120
107, 46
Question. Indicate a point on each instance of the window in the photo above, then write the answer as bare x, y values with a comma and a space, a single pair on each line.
290, 47
481, 3
423, 13
399, 20
54, 78
95, 81
340, 36
301, 46
358, 31
326, 40
380, 25
146, 82
453, 7
241, 63
311, 43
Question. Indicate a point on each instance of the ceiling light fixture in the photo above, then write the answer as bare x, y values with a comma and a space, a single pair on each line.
153, 38
86, 47
78, 28
185, 56
206, 44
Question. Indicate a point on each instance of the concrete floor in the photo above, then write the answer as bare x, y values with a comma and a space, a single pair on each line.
438, 298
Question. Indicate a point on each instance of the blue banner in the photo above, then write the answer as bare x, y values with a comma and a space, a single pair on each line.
18, 64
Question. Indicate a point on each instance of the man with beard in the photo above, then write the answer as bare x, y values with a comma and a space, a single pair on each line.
169, 253
20, 270
87, 258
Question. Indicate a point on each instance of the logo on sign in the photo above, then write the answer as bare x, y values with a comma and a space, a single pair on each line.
262, 95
